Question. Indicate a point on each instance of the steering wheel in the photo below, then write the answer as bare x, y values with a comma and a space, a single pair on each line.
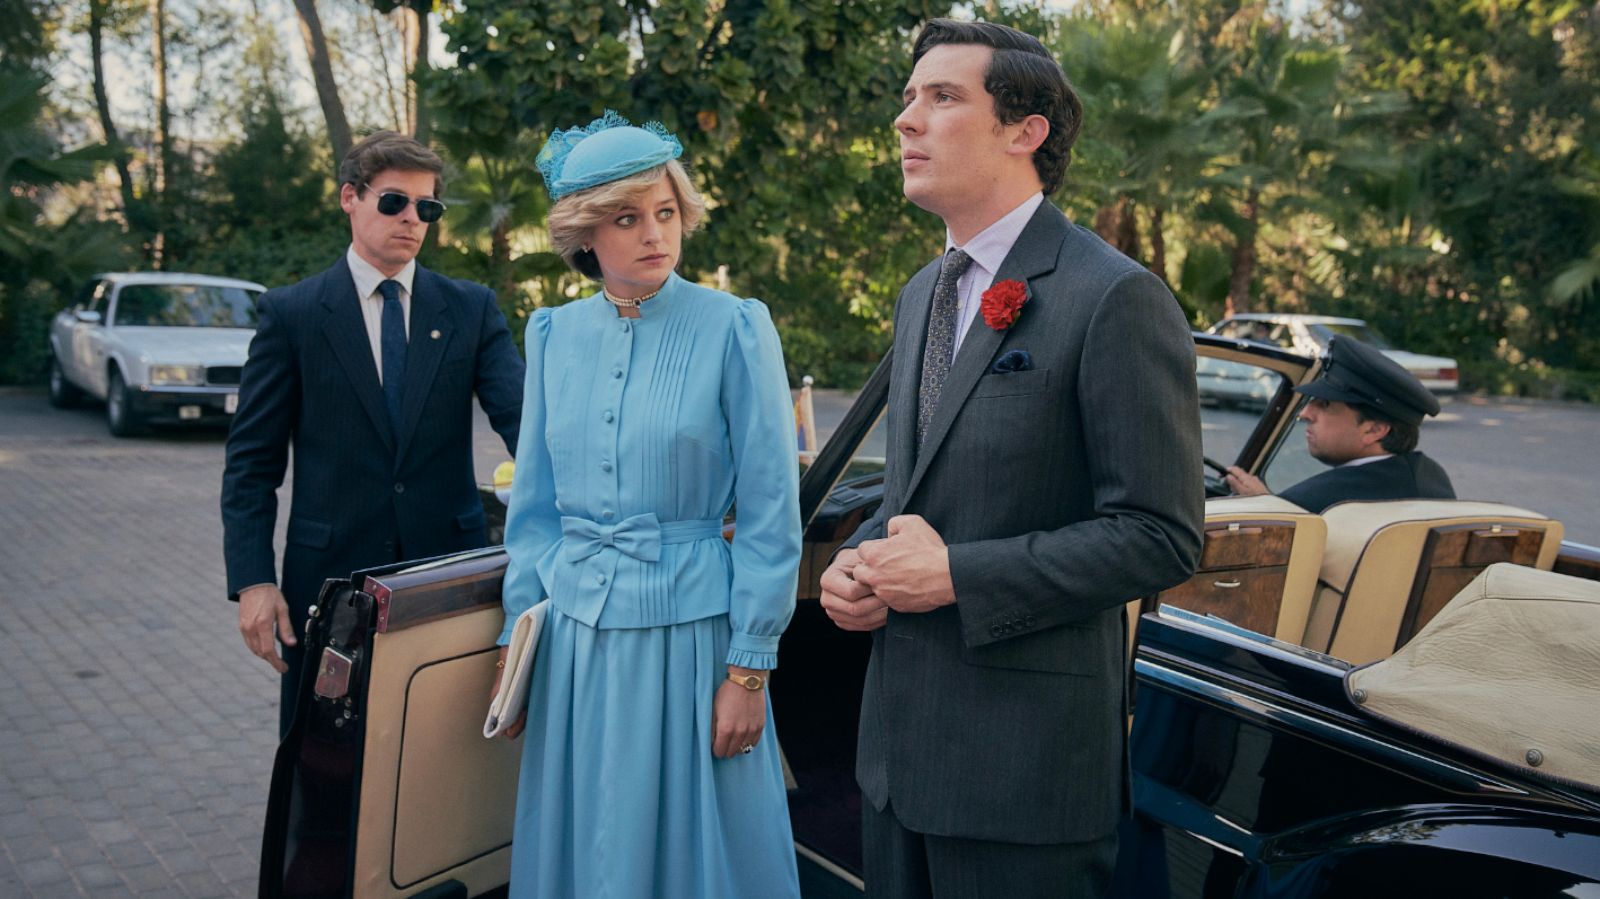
1222, 470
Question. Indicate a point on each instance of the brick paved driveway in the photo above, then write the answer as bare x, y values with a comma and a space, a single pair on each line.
136, 732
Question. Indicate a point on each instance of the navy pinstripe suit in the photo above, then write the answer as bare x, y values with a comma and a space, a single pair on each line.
363, 496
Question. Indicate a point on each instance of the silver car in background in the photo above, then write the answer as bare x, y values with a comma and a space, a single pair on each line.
1309, 336
155, 346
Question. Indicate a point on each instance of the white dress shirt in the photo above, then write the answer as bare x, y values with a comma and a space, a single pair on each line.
367, 280
988, 249
1365, 460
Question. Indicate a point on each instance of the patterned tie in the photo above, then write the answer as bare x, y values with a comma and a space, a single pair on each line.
937, 353
394, 351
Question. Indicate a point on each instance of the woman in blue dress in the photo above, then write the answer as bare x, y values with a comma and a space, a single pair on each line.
650, 766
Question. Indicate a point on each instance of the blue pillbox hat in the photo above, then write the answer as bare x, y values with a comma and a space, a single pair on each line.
606, 149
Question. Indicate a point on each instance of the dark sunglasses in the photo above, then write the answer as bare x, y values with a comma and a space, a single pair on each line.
391, 203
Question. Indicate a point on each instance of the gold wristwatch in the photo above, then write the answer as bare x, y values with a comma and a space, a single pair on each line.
751, 682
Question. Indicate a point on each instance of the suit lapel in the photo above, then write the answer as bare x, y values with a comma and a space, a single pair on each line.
347, 334
1032, 257
430, 316
910, 335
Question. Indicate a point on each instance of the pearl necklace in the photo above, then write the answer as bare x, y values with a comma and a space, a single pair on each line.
628, 308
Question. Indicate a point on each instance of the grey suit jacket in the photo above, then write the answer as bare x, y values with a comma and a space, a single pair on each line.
1063, 491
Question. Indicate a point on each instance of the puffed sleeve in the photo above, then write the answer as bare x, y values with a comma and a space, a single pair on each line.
532, 524
766, 541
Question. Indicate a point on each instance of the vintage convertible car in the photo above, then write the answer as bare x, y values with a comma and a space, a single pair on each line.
1281, 745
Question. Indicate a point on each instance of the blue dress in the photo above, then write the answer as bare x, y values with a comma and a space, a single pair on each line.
637, 436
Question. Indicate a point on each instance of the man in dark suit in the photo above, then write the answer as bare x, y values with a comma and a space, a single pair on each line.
1043, 470
1363, 419
367, 370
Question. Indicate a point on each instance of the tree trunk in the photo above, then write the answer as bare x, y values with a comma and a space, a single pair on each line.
163, 155
97, 10
1158, 243
500, 258
418, 30
1118, 225
1105, 223
379, 41
1127, 229
1244, 258
322, 74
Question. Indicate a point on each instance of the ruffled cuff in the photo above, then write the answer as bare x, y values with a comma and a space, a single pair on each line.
753, 651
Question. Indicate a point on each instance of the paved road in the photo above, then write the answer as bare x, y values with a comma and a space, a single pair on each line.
136, 733
1540, 456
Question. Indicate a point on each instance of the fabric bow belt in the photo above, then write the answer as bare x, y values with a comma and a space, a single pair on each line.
639, 536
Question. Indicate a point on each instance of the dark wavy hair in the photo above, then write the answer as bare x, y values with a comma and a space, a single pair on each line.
1025, 80
382, 151
1403, 435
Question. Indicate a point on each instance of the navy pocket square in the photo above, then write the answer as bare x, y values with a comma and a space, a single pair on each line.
1012, 360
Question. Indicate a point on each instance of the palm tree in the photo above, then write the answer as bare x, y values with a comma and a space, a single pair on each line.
1580, 279
1277, 109
492, 194
1145, 86
31, 163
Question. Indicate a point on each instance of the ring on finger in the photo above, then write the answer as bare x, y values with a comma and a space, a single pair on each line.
747, 748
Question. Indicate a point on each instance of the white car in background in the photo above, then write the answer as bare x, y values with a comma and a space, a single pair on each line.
1309, 335
155, 346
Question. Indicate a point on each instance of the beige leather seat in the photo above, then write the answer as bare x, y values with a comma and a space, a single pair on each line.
1258, 568
1510, 668
1390, 566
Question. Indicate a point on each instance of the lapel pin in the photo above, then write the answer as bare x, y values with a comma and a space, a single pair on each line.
434, 334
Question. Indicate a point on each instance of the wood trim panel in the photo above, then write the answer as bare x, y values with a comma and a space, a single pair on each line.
1242, 574
1244, 544
1248, 597
1451, 557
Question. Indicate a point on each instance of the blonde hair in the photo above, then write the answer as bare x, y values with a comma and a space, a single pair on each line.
573, 217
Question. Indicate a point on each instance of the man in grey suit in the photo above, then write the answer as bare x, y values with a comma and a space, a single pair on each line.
1043, 470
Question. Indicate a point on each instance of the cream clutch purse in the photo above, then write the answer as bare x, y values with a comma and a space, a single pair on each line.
512, 697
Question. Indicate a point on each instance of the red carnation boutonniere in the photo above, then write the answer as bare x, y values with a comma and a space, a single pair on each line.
1002, 303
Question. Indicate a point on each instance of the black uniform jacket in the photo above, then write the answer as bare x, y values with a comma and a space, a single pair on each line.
1408, 476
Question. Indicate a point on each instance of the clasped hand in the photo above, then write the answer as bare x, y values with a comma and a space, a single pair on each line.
907, 571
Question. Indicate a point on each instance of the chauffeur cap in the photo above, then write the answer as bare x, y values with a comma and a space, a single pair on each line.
1357, 374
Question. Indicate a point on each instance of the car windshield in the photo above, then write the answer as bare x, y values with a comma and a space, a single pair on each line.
1234, 396
186, 306
1322, 332
1293, 462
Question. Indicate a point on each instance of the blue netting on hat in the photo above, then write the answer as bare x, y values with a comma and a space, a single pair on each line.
606, 149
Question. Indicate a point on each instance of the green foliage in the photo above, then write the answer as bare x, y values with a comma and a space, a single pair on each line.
785, 111
24, 39
1489, 233
25, 313
270, 215
39, 260
1429, 165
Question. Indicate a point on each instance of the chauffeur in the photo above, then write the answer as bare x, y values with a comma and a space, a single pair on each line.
1362, 419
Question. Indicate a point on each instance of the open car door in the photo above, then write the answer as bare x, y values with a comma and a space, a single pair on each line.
385, 785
